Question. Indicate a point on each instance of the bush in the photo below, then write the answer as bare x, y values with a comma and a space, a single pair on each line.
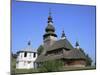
40, 49
50, 66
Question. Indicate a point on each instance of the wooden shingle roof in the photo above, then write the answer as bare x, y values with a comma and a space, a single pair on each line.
62, 43
70, 54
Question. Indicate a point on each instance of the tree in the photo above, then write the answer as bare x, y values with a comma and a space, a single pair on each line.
82, 51
40, 49
13, 63
88, 60
50, 66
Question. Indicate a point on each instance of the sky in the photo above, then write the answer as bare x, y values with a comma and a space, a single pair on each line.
29, 20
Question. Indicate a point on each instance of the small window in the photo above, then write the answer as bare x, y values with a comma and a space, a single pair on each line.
34, 55
25, 54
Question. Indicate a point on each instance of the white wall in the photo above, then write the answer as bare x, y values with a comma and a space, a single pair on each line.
25, 62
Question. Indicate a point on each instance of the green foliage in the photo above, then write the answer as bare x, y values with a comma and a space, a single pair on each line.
50, 66
78, 68
13, 65
89, 60
40, 49
82, 51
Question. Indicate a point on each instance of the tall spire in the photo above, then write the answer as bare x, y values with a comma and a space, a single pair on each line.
50, 18
50, 12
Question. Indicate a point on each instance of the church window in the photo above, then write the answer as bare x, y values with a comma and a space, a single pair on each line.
25, 54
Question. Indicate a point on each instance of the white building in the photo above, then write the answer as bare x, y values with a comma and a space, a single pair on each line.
26, 58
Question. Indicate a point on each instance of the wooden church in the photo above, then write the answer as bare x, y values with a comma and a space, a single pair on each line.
62, 49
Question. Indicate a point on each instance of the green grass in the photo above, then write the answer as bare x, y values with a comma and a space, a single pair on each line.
13, 66
30, 71
25, 71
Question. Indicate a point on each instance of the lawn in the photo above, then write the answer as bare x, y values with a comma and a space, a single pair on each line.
30, 71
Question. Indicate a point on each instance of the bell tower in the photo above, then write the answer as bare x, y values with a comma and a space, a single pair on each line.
49, 37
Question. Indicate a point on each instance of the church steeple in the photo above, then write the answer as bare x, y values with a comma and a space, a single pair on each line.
77, 45
49, 17
50, 29
49, 37
63, 36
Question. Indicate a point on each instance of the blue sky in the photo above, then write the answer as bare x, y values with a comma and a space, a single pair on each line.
29, 20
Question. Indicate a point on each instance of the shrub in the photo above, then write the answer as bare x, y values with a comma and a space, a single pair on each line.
50, 66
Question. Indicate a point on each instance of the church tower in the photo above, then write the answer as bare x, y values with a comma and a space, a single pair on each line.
49, 37
77, 45
63, 36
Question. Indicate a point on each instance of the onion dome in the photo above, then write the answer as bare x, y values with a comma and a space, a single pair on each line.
63, 34
77, 44
50, 27
50, 19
